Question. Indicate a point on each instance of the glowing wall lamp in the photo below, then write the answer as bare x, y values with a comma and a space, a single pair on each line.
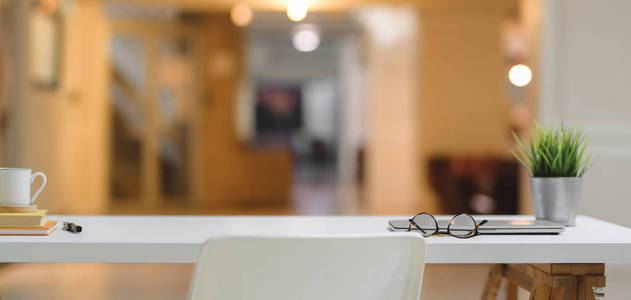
520, 75
297, 10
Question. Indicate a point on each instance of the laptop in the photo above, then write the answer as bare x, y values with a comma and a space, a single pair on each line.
519, 226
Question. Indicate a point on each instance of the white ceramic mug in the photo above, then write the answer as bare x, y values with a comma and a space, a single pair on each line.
15, 186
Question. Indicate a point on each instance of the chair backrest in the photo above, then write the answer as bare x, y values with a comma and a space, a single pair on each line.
309, 268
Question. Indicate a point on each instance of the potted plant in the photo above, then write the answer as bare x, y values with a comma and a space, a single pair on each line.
556, 163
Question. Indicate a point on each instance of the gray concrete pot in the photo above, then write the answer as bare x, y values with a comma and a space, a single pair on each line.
556, 198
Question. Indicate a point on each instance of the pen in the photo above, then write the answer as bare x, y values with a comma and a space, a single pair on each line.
72, 227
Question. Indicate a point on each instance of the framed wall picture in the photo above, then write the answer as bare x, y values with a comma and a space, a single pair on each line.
45, 43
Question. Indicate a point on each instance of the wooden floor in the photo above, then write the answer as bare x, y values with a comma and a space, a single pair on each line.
94, 281
170, 281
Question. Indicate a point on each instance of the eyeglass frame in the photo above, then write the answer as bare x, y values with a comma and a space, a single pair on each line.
473, 232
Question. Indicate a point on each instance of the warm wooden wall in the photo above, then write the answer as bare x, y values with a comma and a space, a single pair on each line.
463, 102
63, 132
233, 173
464, 109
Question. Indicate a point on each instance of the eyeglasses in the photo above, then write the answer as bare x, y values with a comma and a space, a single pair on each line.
461, 226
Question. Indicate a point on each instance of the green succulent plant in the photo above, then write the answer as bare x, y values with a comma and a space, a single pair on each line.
556, 151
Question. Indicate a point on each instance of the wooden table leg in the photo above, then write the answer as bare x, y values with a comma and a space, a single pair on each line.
540, 291
493, 282
587, 284
585, 277
511, 291
547, 281
565, 291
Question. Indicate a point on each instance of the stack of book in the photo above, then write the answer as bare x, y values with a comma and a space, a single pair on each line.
25, 222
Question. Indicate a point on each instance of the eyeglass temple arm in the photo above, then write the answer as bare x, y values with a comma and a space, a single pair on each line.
481, 223
415, 225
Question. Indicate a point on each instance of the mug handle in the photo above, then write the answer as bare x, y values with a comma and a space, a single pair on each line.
40, 188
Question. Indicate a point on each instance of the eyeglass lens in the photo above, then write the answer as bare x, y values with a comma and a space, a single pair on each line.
427, 223
462, 226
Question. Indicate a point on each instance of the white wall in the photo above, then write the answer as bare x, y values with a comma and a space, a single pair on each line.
320, 106
585, 79
587, 82
353, 109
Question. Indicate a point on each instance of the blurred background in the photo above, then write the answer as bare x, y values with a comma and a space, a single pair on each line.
302, 107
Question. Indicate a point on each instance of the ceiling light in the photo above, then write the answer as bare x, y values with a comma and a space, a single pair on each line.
520, 75
306, 38
297, 10
241, 15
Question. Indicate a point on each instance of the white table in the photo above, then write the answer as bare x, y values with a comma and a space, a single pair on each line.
177, 239
564, 266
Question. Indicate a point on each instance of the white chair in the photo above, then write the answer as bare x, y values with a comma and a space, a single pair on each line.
382, 267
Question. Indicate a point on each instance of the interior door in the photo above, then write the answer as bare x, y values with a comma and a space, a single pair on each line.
154, 94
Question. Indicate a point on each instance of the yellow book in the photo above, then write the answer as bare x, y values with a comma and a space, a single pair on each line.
46, 229
25, 219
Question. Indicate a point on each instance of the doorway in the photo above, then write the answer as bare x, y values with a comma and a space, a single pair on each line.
154, 94
296, 98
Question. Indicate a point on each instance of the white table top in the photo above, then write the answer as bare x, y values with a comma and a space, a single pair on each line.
177, 239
